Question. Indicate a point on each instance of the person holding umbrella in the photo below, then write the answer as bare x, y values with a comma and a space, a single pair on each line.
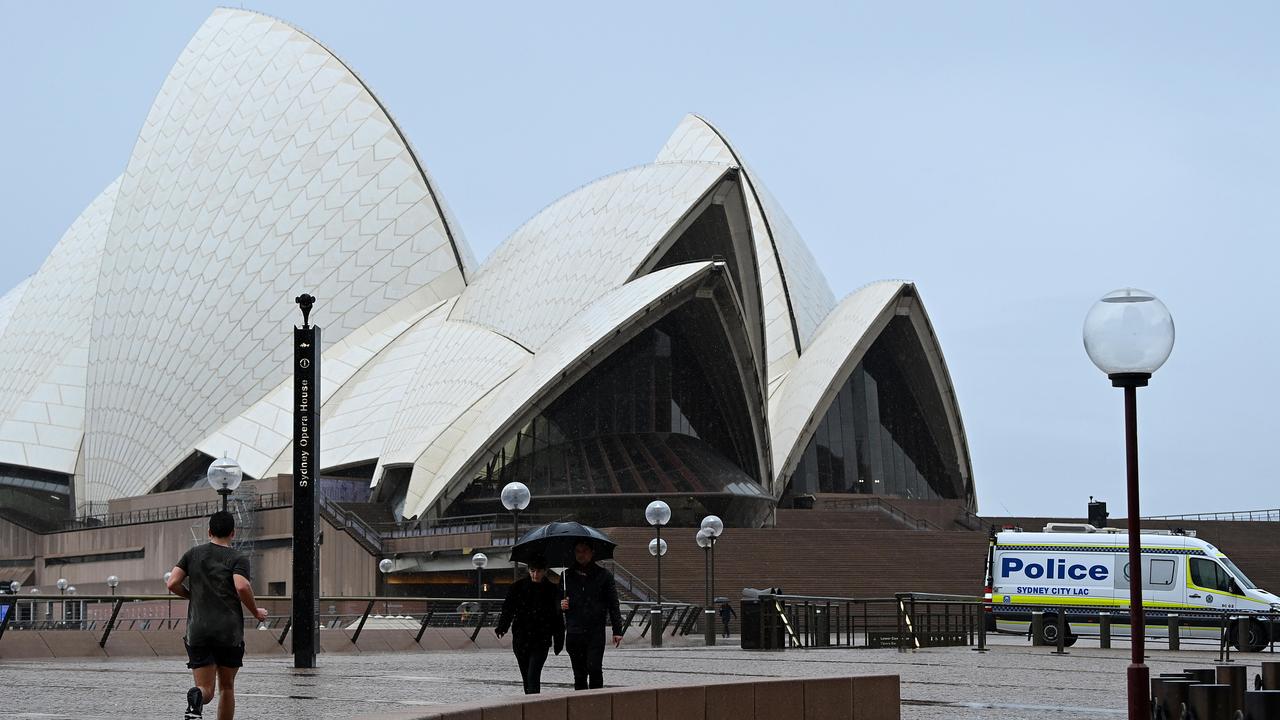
726, 614
531, 609
590, 596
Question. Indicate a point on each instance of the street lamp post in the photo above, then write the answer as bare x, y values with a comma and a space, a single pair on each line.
384, 566
657, 514
62, 591
112, 582
515, 497
169, 609
224, 475
1129, 334
705, 540
715, 526
479, 560
14, 587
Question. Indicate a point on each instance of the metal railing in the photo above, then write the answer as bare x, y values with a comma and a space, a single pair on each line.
1216, 627
497, 523
264, 501
106, 613
1272, 515
875, 502
906, 621
630, 582
366, 536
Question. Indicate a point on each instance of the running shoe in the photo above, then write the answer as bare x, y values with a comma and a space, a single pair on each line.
195, 704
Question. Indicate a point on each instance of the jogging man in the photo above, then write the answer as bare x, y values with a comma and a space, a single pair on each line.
218, 585
590, 600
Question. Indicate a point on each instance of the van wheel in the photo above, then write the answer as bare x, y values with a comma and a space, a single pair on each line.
1049, 632
1255, 639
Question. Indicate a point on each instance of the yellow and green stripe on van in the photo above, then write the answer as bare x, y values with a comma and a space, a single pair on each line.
1052, 601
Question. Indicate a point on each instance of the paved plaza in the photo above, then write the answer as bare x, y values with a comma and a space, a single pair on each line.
1013, 680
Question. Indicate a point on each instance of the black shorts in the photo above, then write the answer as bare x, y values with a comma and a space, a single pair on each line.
231, 656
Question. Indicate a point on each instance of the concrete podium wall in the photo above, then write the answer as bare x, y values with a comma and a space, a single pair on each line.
867, 697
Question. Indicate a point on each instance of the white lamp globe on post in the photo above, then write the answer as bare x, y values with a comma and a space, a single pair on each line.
113, 582
715, 526
14, 587
657, 514
224, 476
62, 586
479, 560
515, 497
1129, 334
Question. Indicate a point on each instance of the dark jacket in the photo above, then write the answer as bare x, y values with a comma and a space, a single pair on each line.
532, 611
592, 597
726, 612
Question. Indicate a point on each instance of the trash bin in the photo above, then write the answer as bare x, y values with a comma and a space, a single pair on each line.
754, 617
820, 622
749, 621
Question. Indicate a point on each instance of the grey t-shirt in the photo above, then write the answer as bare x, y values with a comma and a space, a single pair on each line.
214, 615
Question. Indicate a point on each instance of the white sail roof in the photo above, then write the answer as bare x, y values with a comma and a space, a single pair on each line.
265, 169
44, 348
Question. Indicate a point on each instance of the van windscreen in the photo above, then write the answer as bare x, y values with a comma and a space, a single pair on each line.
1243, 579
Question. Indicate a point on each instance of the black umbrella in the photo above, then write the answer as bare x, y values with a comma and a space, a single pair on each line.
554, 543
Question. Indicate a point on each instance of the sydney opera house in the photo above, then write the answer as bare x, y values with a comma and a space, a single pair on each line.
661, 332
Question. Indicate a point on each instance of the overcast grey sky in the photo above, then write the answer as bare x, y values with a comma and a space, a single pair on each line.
1016, 160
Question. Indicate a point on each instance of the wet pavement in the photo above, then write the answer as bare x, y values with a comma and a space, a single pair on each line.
1013, 680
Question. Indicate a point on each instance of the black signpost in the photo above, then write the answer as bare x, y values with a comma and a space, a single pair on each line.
306, 509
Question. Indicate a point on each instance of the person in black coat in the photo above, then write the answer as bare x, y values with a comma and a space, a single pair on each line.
532, 610
726, 614
589, 598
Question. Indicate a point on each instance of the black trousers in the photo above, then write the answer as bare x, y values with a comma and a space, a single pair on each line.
586, 653
531, 655
726, 626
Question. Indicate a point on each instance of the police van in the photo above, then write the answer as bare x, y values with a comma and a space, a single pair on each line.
1081, 570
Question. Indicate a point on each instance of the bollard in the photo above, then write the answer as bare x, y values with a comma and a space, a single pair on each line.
1175, 632
1261, 704
1173, 696
655, 627
982, 630
1237, 678
1062, 633
1037, 628
1104, 630
1271, 675
1201, 675
1211, 702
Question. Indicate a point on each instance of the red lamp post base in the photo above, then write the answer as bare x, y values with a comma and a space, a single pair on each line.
1139, 697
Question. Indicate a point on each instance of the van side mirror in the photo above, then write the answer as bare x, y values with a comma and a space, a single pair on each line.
1233, 588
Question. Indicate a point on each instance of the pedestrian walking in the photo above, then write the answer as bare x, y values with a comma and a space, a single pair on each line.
217, 585
590, 598
532, 611
726, 614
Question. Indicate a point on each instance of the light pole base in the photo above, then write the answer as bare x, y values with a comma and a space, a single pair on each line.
655, 627
1139, 684
709, 626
